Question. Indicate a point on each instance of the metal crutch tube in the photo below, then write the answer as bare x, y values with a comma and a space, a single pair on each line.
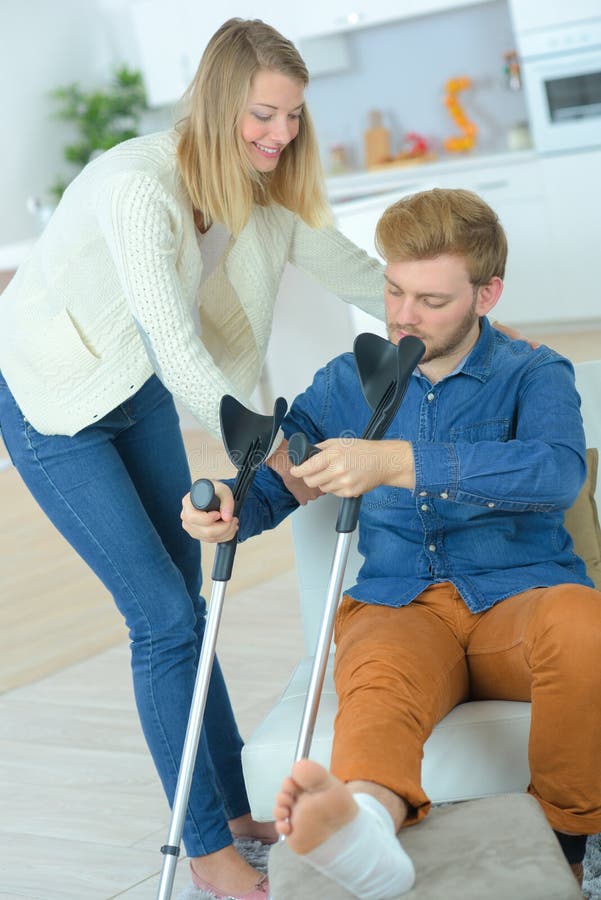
384, 371
248, 438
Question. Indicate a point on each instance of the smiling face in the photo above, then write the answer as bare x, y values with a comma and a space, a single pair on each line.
435, 300
271, 118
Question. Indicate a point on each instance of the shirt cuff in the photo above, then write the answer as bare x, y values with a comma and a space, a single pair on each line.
436, 470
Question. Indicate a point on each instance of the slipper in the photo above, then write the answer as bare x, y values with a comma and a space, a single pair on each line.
259, 892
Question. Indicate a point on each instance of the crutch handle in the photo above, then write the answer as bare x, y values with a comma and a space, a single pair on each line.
299, 449
348, 515
203, 496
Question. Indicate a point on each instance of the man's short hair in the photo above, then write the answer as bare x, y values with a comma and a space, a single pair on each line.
436, 222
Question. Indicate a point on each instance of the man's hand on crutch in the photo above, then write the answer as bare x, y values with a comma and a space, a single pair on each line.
350, 467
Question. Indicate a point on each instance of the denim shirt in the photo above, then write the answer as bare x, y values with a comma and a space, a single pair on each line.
499, 453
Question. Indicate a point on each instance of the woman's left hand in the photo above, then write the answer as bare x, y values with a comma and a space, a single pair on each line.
514, 334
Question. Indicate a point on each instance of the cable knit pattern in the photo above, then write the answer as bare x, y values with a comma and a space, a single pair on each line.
109, 293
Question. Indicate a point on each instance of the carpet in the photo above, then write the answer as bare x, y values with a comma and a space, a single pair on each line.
256, 854
592, 868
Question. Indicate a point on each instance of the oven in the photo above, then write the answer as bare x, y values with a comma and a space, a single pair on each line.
561, 71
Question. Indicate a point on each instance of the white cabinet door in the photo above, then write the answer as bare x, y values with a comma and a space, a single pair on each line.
517, 194
329, 16
573, 188
161, 39
172, 37
535, 14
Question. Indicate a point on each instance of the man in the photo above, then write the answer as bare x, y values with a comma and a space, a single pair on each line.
470, 587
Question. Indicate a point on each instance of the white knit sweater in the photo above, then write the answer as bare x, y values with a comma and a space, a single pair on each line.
108, 294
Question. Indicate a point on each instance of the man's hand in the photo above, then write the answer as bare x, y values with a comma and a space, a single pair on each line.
215, 526
352, 467
280, 463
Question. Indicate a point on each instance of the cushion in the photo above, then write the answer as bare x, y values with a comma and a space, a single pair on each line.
582, 521
498, 847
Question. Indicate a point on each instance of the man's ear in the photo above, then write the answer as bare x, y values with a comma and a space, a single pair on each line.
488, 295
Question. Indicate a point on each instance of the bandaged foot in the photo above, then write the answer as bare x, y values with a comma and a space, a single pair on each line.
349, 838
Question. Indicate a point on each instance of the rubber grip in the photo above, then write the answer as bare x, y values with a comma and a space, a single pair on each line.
203, 496
299, 449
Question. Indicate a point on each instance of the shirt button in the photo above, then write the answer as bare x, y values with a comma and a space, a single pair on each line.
430, 397
423, 493
425, 507
432, 548
444, 495
491, 505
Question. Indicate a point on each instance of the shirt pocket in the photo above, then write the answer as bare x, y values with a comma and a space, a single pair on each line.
487, 430
385, 497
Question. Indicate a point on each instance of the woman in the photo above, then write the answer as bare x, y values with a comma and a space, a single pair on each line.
98, 331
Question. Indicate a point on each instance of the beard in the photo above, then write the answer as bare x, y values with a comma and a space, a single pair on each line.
442, 347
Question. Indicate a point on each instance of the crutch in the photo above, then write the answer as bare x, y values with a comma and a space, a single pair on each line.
248, 438
384, 372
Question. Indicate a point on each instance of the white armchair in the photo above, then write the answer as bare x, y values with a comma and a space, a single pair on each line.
496, 730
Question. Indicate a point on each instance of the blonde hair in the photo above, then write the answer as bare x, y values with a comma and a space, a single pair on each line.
436, 222
213, 161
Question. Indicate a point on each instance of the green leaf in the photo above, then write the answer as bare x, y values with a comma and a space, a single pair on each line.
102, 117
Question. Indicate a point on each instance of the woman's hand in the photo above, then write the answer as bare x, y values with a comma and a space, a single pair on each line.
279, 461
514, 334
350, 468
213, 527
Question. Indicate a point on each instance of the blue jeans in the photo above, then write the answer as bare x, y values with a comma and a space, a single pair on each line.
114, 492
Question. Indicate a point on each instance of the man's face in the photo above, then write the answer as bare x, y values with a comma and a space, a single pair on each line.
434, 300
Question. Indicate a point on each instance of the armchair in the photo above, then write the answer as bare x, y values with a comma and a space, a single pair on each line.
498, 730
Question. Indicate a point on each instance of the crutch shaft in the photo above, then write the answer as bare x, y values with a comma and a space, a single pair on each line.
190, 749
322, 650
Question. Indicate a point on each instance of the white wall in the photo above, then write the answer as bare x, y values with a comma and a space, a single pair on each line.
45, 45
400, 68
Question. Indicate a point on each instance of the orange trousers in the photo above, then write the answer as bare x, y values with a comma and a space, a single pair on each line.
398, 671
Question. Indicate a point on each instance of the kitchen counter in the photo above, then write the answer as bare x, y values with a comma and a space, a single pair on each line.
355, 185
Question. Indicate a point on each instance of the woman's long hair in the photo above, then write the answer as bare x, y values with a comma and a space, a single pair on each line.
213, 161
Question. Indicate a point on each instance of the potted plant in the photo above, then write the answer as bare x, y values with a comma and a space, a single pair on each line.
102, 118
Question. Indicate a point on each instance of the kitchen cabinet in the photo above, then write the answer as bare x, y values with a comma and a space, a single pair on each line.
171, 38
517, 194
528, 15
165, 60
573, 195
344, 15
550, 208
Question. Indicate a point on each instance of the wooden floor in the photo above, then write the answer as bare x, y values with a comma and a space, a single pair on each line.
53, 610
82, 814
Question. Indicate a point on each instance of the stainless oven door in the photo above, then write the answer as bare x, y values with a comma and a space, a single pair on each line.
563, 92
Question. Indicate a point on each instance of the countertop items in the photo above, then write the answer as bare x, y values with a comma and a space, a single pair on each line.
364, 184
376, 141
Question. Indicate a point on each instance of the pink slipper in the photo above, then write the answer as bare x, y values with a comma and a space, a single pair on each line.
259, 892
